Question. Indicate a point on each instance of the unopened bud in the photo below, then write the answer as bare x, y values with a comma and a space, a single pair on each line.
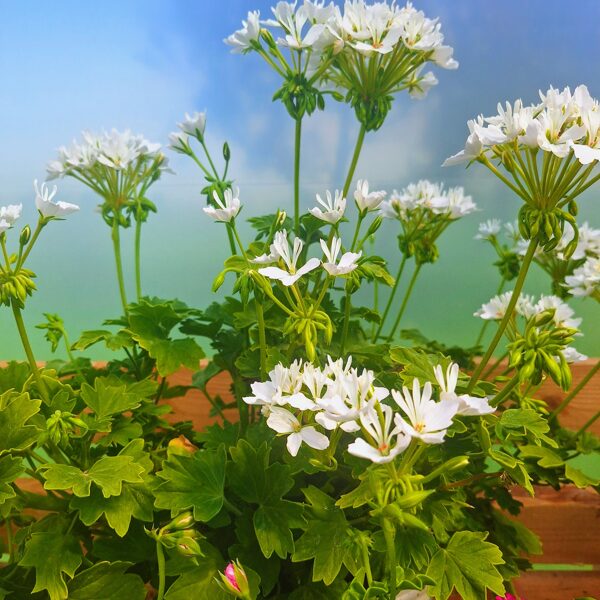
235, 581
25, 235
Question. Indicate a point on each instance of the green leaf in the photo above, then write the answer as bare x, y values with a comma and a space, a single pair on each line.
520, 422
108, 474
326, 539
52, 555
107, 581
106, 399
417, 364
544, 456
467, 564
273, 524
15, 411
579, 478
150, 324
196, 482
10, 468
13, 376
200, 583
113, 341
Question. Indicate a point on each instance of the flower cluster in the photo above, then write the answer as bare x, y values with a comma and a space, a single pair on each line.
561, 315
399, 41
424, 210
118, 166
585, 280
9, 215
561, 123
289, 272
303, 402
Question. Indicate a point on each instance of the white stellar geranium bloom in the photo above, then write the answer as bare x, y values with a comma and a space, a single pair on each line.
284, 422
488, 229
280, 249
194, 124
228, 208
467, 405
427, 420
495, 309
10, 214
48, 208
347, 262
365, 200
332, 208
242, 40
387, 441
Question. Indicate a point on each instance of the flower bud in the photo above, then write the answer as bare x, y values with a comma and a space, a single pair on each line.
25, 235
188, 546
226, 152
181, 521
235, 581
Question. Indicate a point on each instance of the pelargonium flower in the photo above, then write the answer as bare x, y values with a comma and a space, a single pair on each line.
347, 262
194, 124
10, 214
488, 229
228, 208
333, 207
386, 441
365, 200
47, 208
467, 405
495, 309
427, 420
245, 39
585, 280
453, 203
563, 313
284, 422
281, 250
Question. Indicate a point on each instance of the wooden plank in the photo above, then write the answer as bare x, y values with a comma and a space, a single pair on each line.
558, 585
567, 521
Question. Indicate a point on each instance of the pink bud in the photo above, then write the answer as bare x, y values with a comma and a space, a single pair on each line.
230, 574
507, 597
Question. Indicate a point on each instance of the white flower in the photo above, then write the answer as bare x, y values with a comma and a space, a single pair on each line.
427, 420
420, 85
585, 280
386, 441
281, 248
11, 213
194, 124
467, 405
179, 142
365, 200
488, 229
228, 209
473, 146
572, 355
334, 207
49, 209
563, 313
284, 422
292, 22
453, 203
495, 309
347, 262
4, 225
242, 40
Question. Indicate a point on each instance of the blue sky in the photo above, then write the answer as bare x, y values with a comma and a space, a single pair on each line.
67, 66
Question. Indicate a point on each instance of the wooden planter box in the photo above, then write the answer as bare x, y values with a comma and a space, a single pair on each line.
568, 522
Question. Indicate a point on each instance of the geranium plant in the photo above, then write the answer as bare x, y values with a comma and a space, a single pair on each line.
352, 459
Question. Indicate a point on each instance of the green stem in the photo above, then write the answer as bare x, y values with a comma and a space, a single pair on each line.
297, 142
262, 338
409, 291
347, 307
160, 559
573, 393
32, 241
353, 163
506, 390
389, 533
588, 424
138, 270
9, 539
116, 239
533, 244
29, 352
391, 298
